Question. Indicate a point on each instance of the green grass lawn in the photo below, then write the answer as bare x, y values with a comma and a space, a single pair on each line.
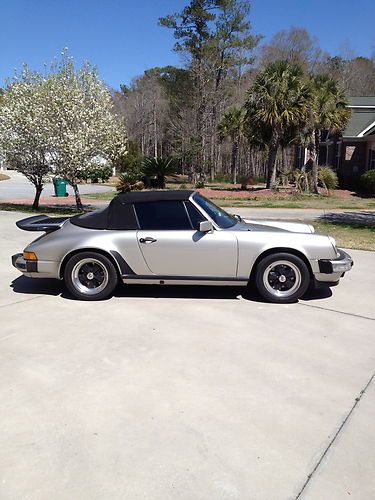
20, 207
301, 201
348, 235
106, 196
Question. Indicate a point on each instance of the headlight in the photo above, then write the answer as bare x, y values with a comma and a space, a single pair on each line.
341, 267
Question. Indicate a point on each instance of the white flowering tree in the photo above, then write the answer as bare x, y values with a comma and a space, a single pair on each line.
81, 121
24, 137
60, 121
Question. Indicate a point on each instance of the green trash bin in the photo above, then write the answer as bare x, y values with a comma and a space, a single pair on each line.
60, 187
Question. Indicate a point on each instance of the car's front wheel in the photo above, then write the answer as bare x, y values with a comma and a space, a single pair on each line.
282, 278
90, 276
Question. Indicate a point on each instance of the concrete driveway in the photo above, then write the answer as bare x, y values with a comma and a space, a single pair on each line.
19, 187
185, 393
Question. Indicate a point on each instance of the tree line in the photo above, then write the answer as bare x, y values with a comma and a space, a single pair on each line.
203, 113
235, 109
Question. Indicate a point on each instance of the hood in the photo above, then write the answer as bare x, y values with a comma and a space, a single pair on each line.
281, 226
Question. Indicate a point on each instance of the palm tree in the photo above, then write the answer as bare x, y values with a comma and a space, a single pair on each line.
232, 125
159, 169
276, 108
328, 112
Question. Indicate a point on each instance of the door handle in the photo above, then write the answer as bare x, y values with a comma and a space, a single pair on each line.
147, 240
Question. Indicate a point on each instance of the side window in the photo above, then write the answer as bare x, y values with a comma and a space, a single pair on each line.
195, 216
122, 217
162, 215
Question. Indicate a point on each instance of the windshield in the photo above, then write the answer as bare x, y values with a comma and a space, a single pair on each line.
217, 214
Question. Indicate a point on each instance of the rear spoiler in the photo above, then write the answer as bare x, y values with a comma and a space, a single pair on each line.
41, 223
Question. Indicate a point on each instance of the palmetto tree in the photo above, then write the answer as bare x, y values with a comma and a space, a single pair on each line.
159, 169
328, 112
231, 126
277, 106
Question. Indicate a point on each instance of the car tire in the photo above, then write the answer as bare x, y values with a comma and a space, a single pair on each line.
282, 278
90, 276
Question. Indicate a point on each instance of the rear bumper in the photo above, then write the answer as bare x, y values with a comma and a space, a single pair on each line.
25, 266
35, 268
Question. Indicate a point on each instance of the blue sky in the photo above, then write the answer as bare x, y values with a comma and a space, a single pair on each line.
122, 37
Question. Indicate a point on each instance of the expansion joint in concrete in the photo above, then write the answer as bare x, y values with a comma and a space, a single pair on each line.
337, 433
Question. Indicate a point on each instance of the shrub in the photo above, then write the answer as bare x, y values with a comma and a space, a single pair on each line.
95, 172
183, 186
223, 178
199, 185
128, 183
158, 169
327, 178
259, 180
284, 178
123, 185
367, 182
131, 161
302, 180
245, 180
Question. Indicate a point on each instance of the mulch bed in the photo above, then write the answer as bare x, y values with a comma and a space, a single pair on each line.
265, 193
248, 194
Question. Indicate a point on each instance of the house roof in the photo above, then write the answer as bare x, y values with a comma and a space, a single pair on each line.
362, 119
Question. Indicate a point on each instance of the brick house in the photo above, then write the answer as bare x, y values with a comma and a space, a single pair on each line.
353, 151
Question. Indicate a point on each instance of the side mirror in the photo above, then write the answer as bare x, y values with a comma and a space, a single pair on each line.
205, 226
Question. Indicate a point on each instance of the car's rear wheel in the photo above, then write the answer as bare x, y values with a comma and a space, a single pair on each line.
90, 276
282, 278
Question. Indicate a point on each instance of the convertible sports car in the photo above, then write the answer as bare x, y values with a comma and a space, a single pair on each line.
178, 237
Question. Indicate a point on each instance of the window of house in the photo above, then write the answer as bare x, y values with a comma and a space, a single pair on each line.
162, 215
371, 159
338, 154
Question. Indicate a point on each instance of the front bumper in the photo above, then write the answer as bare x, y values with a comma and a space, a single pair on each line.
342, 264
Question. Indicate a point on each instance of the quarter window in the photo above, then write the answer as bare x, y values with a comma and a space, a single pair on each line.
195, 216
162, 215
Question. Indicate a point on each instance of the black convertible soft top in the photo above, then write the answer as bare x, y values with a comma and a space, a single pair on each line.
147, 196
120, 212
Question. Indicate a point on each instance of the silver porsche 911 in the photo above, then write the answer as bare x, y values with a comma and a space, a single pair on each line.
178, 237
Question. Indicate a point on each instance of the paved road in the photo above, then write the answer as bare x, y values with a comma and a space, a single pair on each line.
19, 187
185, 393
367, 216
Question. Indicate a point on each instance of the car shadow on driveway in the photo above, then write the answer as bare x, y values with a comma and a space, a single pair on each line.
40, 286
45, 286
320, 293
186, 292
